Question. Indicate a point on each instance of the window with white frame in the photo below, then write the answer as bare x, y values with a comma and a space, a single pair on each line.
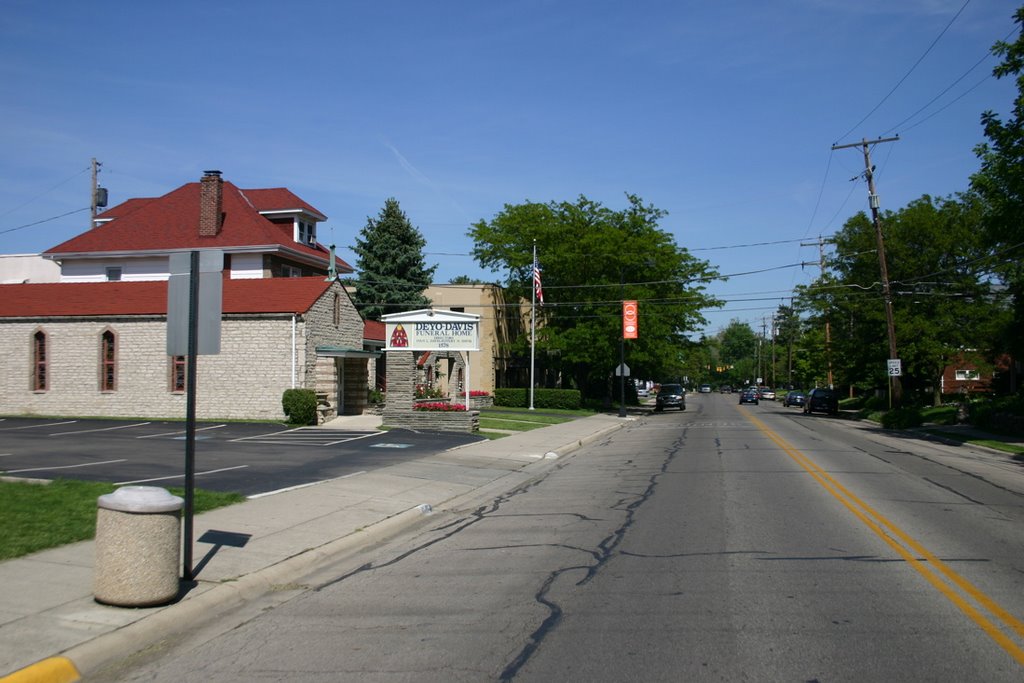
290, 271
963, 375
305, 232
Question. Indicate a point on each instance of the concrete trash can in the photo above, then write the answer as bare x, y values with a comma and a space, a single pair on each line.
138, 547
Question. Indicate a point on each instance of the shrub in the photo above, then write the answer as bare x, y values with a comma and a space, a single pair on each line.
1003, 414
299, 406
478, 392
902, 418
423, 391
562, 399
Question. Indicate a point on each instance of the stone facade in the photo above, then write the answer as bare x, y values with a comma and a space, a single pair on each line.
402, 375
245, 381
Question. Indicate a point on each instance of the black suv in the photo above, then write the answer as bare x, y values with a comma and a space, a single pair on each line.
823, 401
670, 396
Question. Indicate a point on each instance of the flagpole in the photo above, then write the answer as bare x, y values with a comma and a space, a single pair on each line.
533, 318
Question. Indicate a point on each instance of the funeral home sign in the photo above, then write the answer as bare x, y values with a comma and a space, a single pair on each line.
431, 330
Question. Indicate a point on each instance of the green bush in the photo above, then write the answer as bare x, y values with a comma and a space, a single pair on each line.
902, 418
1004, 414
563, 399
299, 406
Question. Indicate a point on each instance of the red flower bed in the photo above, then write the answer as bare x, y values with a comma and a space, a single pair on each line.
441, 407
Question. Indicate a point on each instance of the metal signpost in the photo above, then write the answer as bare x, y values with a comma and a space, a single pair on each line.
194, 302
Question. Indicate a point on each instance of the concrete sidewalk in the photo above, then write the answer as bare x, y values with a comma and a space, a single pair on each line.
51, 628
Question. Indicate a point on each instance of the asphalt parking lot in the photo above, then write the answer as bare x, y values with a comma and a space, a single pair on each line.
248, 458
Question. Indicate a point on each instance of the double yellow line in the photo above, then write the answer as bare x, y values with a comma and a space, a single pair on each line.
934, 570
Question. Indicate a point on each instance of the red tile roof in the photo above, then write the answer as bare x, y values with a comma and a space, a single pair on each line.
373, 330
59, 299
171, 222
280, 199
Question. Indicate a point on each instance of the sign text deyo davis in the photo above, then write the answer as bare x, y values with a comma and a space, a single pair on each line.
433, 336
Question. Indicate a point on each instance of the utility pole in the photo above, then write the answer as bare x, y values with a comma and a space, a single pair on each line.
869, 174
828, 324
98, 196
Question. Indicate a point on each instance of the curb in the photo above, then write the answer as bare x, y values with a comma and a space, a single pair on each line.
89, 657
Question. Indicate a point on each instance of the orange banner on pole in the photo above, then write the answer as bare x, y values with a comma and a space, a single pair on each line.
630, 326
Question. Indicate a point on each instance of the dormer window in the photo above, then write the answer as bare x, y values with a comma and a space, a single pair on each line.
305, 232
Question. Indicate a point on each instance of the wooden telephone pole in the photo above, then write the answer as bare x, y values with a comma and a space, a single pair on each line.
98, 196
869, 174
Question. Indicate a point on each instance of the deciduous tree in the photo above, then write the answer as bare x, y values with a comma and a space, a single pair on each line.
592, 258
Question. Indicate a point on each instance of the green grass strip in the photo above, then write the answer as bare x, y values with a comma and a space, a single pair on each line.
41, 516
1003, 446
511, 425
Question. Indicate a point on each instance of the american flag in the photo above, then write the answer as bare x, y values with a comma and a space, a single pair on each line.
536, 281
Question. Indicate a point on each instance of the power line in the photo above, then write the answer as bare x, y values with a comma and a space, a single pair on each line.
45, 220
944, 91
63, 182
910, 71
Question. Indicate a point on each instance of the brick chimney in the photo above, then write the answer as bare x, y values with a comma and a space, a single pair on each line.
211, 195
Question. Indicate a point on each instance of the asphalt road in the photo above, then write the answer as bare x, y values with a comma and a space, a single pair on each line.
723, 543
242, 457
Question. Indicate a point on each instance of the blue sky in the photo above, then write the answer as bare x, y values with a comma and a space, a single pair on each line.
721, 113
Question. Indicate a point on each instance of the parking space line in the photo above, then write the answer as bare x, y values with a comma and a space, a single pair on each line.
182, 431
101, 429
353, 438
179, 476
64, 467
47, 424
308, 436
271, 434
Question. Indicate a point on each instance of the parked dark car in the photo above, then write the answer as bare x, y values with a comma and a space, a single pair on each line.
822, 401
670, 396
749, 396
795, 398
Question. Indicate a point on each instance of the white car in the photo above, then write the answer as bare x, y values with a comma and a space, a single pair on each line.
705, 388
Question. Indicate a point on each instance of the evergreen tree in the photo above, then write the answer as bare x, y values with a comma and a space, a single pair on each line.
392, 271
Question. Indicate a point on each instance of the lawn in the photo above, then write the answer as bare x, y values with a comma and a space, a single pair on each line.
40, 516
522, 419
1011, 448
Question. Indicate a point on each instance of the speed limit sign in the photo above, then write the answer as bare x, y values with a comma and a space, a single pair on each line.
895, 368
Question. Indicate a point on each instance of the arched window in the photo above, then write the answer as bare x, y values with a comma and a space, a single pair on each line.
40, 367
108, 361
178, 377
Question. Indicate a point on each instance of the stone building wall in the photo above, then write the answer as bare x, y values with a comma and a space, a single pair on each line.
245, 381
